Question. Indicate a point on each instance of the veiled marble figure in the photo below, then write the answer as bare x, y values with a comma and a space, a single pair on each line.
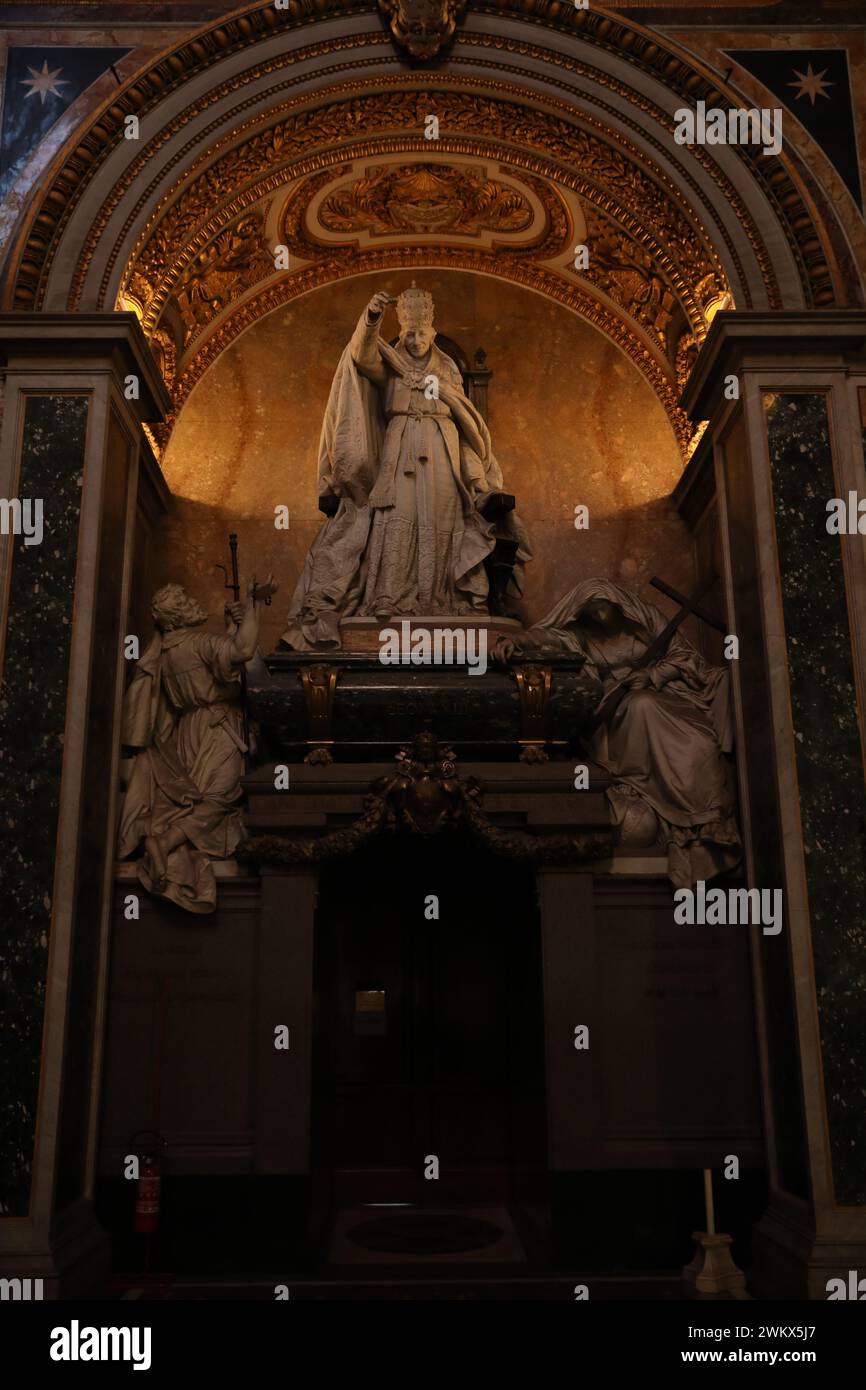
410, 459
665, 745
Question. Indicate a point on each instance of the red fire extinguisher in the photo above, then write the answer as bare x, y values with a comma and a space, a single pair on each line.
147, 1189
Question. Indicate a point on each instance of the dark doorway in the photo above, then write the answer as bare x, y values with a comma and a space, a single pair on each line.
428, 1033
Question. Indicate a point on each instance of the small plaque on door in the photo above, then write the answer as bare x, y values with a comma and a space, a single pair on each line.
370, 1015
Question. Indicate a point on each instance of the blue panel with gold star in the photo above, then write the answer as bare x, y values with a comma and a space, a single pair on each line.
40, 84
814, 84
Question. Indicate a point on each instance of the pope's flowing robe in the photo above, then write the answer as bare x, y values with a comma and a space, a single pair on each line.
182, 719
410, 466
664, 746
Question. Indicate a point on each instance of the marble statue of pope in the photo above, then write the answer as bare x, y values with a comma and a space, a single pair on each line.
410, 459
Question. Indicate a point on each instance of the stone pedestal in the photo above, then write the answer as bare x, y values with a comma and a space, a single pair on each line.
784, 396
712, 1271
77, 388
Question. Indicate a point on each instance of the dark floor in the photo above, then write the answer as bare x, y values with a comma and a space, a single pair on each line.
620, 1225
388, 1253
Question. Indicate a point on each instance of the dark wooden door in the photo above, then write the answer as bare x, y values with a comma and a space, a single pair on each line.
429, 1032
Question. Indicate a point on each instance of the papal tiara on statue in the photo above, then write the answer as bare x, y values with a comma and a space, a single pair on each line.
415, 308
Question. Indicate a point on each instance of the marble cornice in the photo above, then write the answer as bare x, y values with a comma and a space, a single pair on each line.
766, 14
28, 338
744, 340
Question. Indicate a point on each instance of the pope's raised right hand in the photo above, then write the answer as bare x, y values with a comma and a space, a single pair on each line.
379, 303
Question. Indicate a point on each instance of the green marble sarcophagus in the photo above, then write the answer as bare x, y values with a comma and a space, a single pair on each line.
352, 706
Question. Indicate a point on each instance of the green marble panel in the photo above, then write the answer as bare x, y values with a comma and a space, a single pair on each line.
32, 722
829, 764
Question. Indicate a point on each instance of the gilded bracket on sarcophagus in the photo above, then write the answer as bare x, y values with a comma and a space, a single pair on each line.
319, 685
533, 691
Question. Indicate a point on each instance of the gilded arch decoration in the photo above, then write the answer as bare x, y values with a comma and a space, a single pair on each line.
200, 269
620, 185
652, 264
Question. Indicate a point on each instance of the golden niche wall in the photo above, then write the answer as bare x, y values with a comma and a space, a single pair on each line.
573, 422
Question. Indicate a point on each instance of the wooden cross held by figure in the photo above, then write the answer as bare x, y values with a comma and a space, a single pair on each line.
235, 585
659, 645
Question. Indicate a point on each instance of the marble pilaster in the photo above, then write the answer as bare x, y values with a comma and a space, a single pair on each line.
789, 442
71, 438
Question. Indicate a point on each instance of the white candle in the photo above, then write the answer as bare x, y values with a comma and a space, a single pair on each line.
708, 1201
